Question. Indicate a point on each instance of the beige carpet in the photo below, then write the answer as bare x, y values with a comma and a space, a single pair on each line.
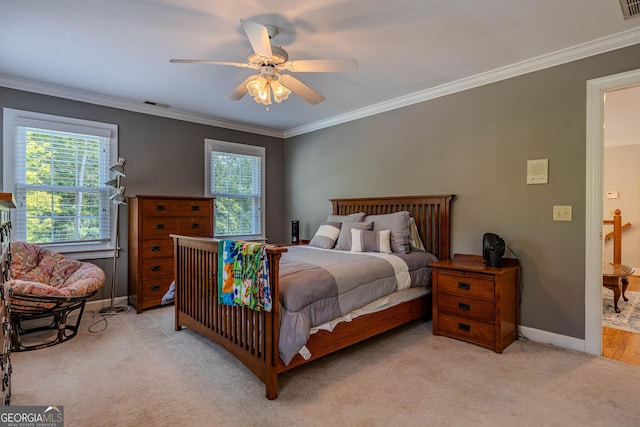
140, 372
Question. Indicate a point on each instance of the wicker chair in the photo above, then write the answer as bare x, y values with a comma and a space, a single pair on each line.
45, 288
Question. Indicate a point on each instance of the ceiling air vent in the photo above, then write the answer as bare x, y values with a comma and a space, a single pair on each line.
630, 8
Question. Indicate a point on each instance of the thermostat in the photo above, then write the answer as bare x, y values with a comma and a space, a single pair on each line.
538, 171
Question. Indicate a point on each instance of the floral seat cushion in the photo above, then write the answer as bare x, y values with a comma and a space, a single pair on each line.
39, 271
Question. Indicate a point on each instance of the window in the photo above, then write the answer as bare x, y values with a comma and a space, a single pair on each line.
56, 168
234, 175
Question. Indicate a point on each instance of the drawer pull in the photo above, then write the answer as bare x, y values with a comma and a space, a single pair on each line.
463, 306
195, 208
155, 268
195, 225
160, 208
464, 327
155, 288
159, 226
464, 285
155, 248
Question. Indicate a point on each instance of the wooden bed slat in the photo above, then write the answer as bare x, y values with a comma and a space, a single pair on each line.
252, 336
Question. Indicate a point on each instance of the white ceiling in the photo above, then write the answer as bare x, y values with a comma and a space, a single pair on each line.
117, 52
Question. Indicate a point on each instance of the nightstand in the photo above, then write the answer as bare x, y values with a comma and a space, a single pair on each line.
476, 303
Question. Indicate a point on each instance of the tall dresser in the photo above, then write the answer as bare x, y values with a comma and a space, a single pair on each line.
7, 202
151, 220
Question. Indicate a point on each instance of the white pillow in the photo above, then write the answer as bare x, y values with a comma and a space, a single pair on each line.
370, 241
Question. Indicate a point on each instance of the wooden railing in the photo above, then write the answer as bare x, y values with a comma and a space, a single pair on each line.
616, 234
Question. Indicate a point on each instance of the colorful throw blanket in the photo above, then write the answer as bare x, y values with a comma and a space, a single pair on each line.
243, 278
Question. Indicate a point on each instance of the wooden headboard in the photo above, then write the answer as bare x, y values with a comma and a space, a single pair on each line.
431, 213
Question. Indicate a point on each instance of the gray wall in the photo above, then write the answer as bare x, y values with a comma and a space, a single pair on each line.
164, 157
475, 144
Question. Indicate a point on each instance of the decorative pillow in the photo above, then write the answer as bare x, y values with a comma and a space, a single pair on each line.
356, 217
415, 242
326, 235
370, 241
344, 240
398, 223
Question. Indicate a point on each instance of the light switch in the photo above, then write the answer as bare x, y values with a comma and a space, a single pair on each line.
562, 213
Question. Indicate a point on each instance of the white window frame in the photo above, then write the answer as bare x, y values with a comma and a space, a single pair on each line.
91, 250
211, 145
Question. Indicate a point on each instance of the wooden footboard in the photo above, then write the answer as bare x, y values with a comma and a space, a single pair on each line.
251, 336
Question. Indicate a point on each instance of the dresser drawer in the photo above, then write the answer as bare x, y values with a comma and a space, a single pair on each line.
466, 285
157, 267
466, 329
157, 228
195, 207
466, 307
159, 208
162, 208
157, 248
194, 226
153, 290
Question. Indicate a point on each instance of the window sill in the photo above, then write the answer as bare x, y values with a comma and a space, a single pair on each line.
81, 253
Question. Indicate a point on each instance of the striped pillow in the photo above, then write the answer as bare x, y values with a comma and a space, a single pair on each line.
370, 241
326, 235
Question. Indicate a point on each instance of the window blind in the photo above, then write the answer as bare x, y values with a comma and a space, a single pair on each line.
60, 170
236, 182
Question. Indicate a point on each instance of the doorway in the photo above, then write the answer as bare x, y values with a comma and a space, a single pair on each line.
596, 90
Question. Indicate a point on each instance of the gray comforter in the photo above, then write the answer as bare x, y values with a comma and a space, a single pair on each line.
319, 285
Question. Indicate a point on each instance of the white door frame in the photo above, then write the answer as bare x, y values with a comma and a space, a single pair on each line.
596, 90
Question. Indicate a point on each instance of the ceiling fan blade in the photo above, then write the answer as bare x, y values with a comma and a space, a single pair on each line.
301, 89
258, 37
241, 90
206, 61
322, 66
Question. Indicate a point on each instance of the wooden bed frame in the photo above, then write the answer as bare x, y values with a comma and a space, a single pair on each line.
252, 336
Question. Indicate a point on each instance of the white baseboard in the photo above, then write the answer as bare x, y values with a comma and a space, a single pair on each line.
546, 337
96, 305
532, 334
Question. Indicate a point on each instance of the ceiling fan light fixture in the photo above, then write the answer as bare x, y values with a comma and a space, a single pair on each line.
259, 90
280, 93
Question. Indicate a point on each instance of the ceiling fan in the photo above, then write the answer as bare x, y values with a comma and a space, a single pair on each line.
273, 66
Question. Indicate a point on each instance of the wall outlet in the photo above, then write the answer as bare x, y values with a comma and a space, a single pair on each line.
562, 213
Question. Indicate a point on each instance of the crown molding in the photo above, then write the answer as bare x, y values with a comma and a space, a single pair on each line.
106, 101
584, 50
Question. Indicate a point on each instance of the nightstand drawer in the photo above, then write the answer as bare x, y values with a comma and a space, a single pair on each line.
467, 307
467, 329
466, 285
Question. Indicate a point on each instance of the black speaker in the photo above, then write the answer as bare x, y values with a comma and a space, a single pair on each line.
295, 231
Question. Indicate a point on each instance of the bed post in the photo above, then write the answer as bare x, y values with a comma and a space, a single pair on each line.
272, 327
